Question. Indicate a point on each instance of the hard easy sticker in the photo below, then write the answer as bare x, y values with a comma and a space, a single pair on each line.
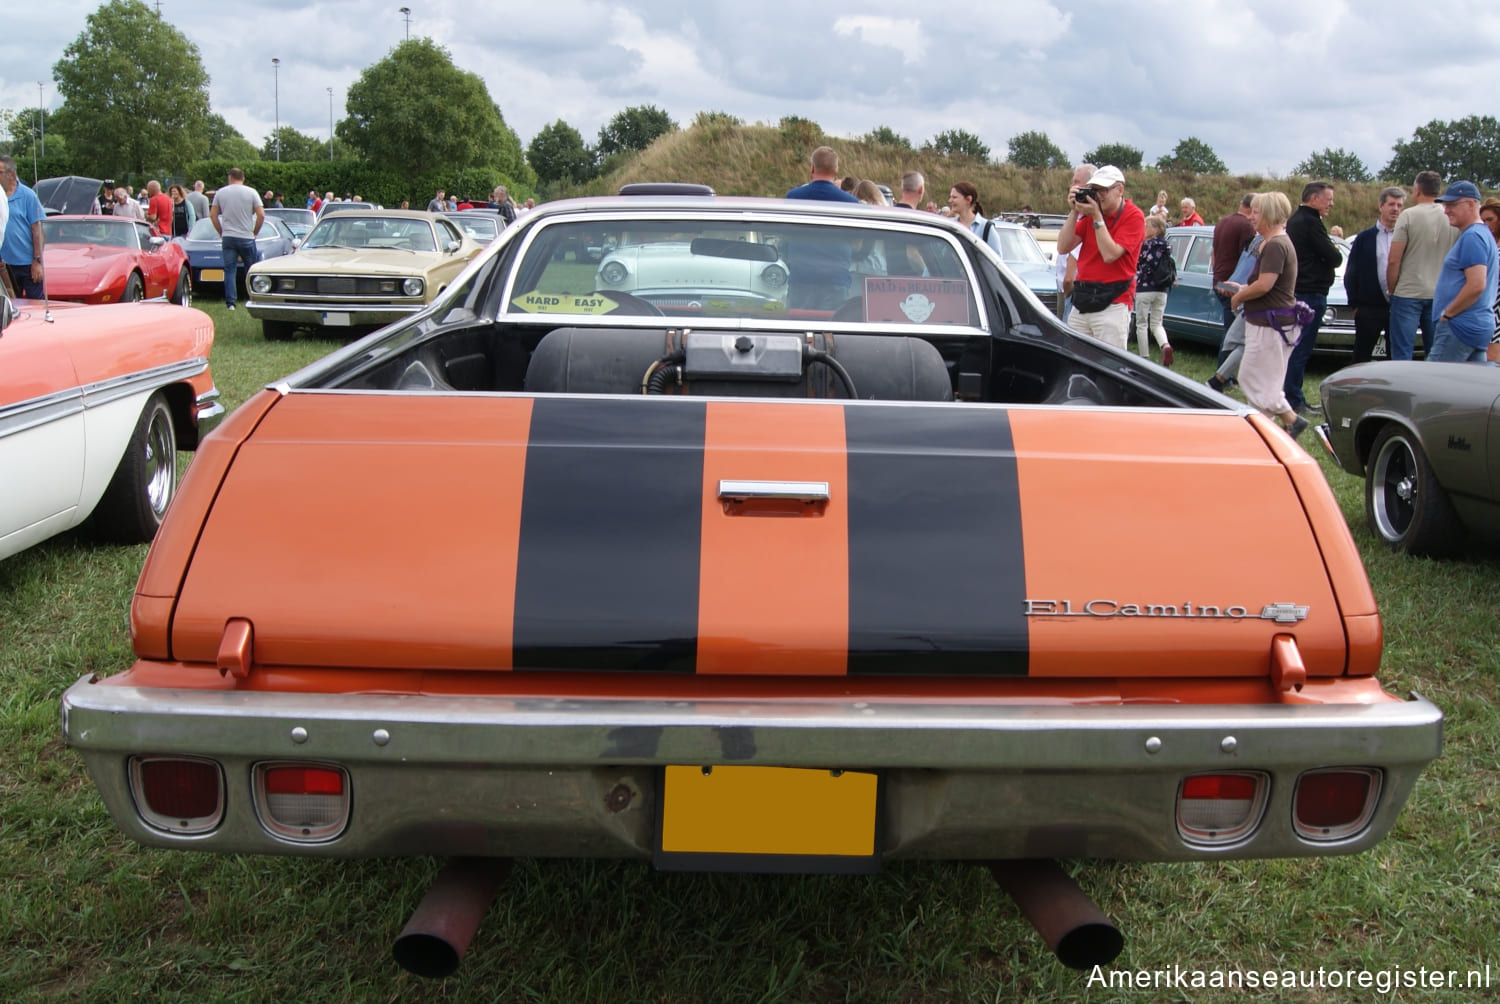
564, 303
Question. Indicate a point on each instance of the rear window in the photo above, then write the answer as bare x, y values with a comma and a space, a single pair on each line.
757, 271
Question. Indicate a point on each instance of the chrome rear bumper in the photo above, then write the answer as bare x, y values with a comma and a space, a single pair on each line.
580, 778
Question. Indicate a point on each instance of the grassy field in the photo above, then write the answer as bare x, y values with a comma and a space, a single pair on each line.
87, 916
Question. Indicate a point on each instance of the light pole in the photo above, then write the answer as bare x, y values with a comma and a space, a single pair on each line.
406, 13
41, 110
330, 123
276, 136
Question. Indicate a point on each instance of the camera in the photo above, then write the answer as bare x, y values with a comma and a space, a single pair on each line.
1084, 194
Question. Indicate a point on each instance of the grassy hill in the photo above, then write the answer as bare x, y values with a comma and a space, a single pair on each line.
766, 160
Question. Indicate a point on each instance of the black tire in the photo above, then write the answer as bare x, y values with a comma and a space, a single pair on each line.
134, 504
135, 289
277, 331
1404, 504
182, 293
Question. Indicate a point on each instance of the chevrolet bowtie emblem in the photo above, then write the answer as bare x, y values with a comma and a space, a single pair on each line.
1283, 613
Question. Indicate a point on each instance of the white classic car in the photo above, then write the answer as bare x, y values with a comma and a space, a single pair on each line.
95, 402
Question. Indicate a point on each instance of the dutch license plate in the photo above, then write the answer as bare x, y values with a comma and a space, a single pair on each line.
336, 320
211, 275
775, 819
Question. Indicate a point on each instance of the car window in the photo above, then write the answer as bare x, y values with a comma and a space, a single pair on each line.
141, 238
1019, 246
203, 230
1200, 258
449, 232
362, 231
761, 271
1179, 245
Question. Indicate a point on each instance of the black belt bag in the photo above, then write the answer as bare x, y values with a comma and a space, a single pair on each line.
1092, 297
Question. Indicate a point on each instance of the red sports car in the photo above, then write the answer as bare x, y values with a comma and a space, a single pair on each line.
104, 259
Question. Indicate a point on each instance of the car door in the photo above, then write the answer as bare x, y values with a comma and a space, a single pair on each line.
153, 262
41, 434
1193, 311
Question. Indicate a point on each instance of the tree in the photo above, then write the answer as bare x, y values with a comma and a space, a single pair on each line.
135, 91
1194, 156
1034, 149
1468, 149
226, 143
1122, 155
704, 120
557, 153
886, 136
1335, 165
959, 143
635, 128
294, 146
24, 129
414, 110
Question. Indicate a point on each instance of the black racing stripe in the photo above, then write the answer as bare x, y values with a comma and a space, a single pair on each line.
607, 570
937, 576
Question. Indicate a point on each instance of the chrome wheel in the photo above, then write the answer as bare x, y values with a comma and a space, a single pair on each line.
161, 462
1404, 504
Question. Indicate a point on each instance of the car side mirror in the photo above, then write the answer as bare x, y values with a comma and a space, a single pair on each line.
453, 246
157, 242
7, 312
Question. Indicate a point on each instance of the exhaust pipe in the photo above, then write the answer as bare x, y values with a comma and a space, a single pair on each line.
434, 940
1072, 925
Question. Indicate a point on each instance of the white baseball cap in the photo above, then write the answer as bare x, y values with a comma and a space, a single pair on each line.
1107, 177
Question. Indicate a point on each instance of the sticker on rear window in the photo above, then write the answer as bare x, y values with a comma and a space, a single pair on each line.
565, 303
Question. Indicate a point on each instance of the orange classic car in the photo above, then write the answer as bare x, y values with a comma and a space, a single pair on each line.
875, 569
95, 402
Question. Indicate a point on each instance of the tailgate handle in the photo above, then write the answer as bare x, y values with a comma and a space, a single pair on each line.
1287, 669
773, 498
236, 648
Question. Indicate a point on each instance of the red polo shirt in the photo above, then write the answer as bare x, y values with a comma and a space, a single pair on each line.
1127, 228
161, 205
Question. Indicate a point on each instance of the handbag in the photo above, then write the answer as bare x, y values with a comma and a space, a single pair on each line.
1092, 297
1246, 264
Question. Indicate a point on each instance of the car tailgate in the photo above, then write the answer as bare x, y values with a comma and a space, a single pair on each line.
752, 537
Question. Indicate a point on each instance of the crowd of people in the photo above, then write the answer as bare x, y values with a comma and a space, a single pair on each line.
1431, 266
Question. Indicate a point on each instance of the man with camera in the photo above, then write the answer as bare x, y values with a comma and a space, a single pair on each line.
1108, 229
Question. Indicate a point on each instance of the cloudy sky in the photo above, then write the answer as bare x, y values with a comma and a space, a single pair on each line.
1264, 83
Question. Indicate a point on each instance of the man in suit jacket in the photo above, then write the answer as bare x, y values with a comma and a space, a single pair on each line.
1365, 276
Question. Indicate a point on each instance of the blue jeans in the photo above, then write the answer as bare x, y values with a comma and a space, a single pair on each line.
1296, 364
1407, 313
1449, 348
236, 249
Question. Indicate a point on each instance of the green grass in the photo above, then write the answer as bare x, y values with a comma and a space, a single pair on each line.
85, 915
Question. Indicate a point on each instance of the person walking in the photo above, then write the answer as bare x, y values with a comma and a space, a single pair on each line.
23, 239
1317, 258
1151, 288
237, 215
1270, 304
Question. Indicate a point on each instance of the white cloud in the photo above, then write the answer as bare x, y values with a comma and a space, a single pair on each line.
905, 35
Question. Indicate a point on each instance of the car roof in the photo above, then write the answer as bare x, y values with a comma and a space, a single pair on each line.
648, 206
400, 214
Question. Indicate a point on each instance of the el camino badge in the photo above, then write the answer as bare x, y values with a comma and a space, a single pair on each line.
1281, 613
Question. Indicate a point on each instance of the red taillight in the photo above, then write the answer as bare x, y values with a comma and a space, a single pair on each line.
302, 802
1220, 808
178, 794
304, 781
1336, 803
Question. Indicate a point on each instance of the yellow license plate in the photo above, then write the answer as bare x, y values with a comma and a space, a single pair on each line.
740, 818
211, 275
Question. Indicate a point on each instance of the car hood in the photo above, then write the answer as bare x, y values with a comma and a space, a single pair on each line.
564, 532
370, 261
1036, 276
83, 259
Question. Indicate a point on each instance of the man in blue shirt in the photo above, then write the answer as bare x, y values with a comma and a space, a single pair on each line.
820, 264
22, 247
1462, 301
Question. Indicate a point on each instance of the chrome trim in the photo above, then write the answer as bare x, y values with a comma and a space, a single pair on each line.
114, 389
373, 313
23, 415
963, 780
797, 491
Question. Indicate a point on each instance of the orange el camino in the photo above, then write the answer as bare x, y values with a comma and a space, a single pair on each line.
889, 565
